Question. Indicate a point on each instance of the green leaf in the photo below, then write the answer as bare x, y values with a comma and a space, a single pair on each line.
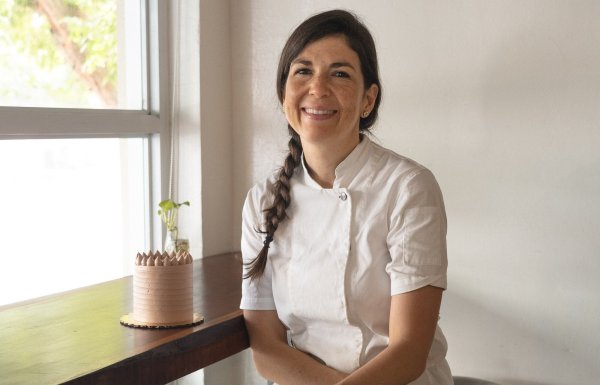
167, 205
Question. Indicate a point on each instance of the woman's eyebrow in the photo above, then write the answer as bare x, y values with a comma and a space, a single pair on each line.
342, 64
301, 61
309, 63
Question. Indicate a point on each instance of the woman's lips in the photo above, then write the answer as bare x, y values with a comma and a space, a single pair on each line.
318, 113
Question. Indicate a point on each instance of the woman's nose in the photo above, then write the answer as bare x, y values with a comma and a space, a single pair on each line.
319, 86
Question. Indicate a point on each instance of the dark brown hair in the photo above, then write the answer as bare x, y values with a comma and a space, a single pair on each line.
359, 39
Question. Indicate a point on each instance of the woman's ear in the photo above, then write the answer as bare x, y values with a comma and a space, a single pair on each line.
371, 97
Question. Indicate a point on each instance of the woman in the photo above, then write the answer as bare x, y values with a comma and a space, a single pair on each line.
344, 248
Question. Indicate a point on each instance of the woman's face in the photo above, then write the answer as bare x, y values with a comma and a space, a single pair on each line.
325, 94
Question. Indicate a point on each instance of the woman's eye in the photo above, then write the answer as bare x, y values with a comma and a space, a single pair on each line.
302, 71
341, 74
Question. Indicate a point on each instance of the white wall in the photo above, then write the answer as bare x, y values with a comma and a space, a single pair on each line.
215, 102
501, 100
200, 31
186, 119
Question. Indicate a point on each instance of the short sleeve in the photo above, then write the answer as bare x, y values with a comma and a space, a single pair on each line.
257, 294
417, 235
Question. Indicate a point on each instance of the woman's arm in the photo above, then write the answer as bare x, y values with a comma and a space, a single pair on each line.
413, 320
276, 360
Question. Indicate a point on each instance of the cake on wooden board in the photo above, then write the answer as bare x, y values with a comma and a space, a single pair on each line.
163, 291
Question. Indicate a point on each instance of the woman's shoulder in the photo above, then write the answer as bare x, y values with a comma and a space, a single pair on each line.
260, 191
260, 188
399, 176
391, 164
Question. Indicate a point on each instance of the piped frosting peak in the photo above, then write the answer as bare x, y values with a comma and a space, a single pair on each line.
163, 259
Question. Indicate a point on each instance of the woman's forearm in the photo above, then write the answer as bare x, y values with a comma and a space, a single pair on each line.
413, 321
288, 366
279, 362
393, 366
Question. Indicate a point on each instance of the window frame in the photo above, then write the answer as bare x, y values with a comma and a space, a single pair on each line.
150, 123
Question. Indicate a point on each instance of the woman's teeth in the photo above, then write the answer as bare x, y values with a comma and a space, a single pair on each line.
314, 111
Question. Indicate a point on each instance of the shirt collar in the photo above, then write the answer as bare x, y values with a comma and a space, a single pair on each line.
346, 170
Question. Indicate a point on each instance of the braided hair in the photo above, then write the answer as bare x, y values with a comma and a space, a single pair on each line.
312, 29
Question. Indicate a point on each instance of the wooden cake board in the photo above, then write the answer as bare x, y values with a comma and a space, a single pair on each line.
127, 320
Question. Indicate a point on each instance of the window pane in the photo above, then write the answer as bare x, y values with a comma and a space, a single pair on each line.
71, 53
73, 213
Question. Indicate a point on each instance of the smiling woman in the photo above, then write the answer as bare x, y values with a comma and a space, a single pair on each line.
345, 246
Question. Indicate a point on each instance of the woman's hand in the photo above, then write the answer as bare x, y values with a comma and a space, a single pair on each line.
413, 321
276, 360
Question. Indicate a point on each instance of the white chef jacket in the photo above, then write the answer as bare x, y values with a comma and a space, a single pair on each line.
342, 252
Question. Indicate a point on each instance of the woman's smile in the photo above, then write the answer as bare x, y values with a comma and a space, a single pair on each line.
319, 113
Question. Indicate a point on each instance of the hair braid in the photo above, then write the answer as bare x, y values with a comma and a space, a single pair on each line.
275, 214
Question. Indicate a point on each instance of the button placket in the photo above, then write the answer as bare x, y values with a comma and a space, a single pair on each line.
344, 244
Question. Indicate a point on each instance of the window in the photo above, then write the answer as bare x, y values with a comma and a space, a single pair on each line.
71, 53
72, 207
82, 144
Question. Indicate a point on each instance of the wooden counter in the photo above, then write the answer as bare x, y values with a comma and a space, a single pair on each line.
76, 338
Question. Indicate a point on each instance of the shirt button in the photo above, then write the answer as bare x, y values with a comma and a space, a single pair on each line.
343, 196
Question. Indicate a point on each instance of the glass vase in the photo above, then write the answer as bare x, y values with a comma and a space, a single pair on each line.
175, 244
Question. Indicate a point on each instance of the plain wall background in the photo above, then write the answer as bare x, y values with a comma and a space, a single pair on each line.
500, 99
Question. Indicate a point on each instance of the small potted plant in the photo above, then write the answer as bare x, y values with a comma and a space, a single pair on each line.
168, 214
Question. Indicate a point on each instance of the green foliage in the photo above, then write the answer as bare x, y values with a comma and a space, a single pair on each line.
32, 59
29, 32
95, 36
168, 212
